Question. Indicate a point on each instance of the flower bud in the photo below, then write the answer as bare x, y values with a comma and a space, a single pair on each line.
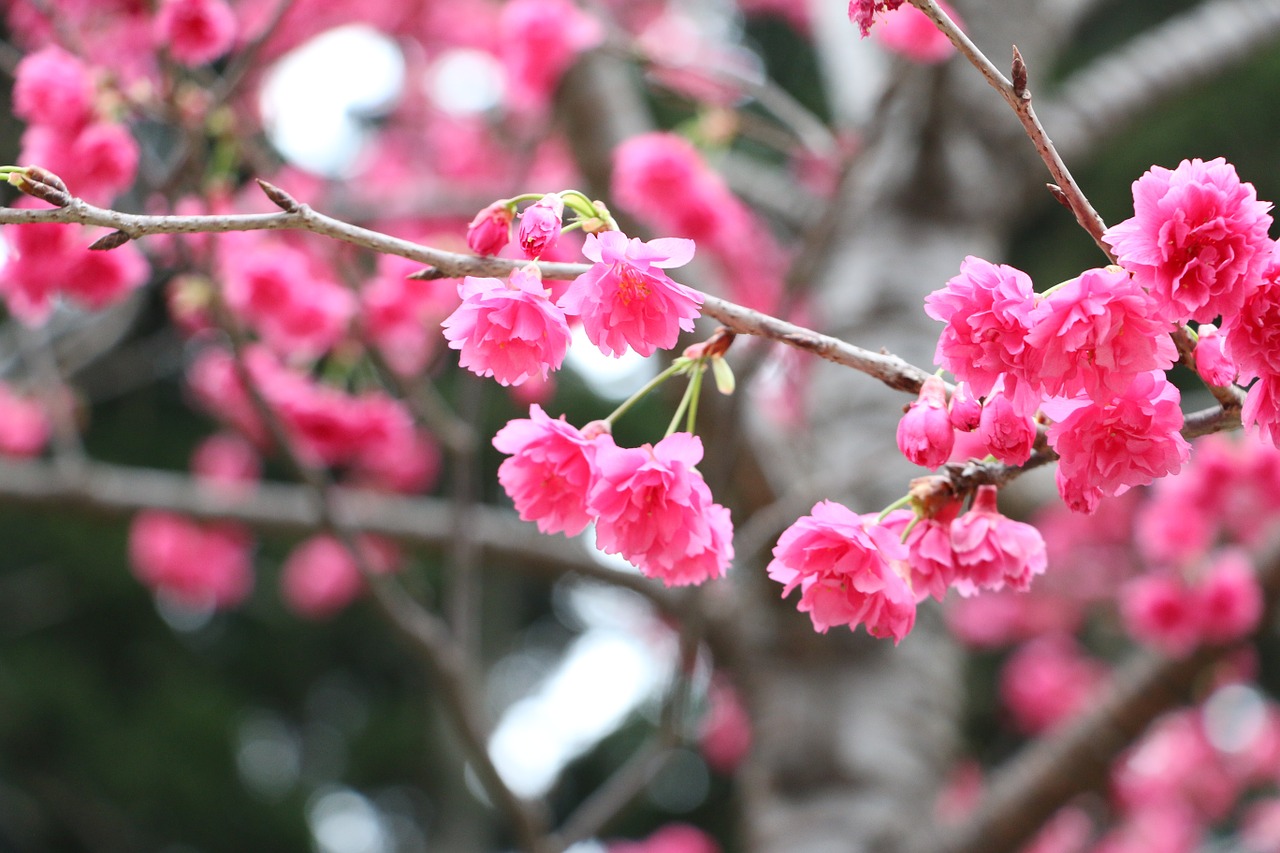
925, 435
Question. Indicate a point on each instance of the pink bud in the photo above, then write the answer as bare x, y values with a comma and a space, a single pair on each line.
925, 435
540, 225
491, 229
1008, 434
966, 409
1212, 362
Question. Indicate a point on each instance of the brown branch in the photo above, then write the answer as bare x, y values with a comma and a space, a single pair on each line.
1019, 100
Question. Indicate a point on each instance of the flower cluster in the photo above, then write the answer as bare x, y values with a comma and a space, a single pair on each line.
649, 503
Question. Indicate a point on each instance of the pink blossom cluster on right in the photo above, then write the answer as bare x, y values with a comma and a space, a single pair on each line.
1090, 354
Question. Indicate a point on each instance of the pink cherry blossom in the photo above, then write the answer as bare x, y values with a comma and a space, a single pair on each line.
320, 577
991, 551
909, 32
228, 464
1105, 449
508, 329
654, 508
1048, 681
550, 471
625, 300
863, 12
1197, 240
538, 41
847, 567
388, 451
399, 314
276, 290
929, 555
925, 434
52, 87
965, 408
724, 735
1212, 362
1008, 434
490, 231
1175, 766
1253, 333
540, 225
1161, 611
1229, 598
987, 309
195, 32
24, 424
199, 566
1094, 334
1262, 408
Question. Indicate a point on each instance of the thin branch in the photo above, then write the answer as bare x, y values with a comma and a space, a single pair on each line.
113, 491
1108, 95
1018, 97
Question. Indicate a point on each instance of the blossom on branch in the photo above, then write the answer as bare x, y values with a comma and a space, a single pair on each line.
625, 300
848, 568
1197, 241
508, 329
991, 551
654, 508
550, 471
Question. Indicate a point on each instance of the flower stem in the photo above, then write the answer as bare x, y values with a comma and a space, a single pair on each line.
676, 367
898, 504
690, 394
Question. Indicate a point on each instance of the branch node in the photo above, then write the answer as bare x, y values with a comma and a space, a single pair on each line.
279, 197
1058, 195
107, 242
427, 274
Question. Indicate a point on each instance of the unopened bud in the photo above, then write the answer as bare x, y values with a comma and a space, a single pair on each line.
107, 242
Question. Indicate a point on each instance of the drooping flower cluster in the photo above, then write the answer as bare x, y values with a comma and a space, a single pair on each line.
649, 503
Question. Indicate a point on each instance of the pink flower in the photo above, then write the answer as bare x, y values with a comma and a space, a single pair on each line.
987, 309
550, 471
538, 41
1048, 681
24, 424
1094, 334
540, 225
724, 735
1160, 610
925, 434
1228, 599
389, 452
654, 508
320, 577
1253, 333
275, 290
1197, 241
509, 329
863, 12
909, 32
625, 300
491, 229
98, 279
929, 555
1212, 362
1262, 408
672, 838
847, 568
965, 408
200, 566
399, 313
227, 463
1009, 435
991, 551
195, 31
1107, 449
52, 87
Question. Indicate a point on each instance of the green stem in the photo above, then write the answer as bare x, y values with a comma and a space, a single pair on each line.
676, 366
696, 384
685, 400
898, 504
